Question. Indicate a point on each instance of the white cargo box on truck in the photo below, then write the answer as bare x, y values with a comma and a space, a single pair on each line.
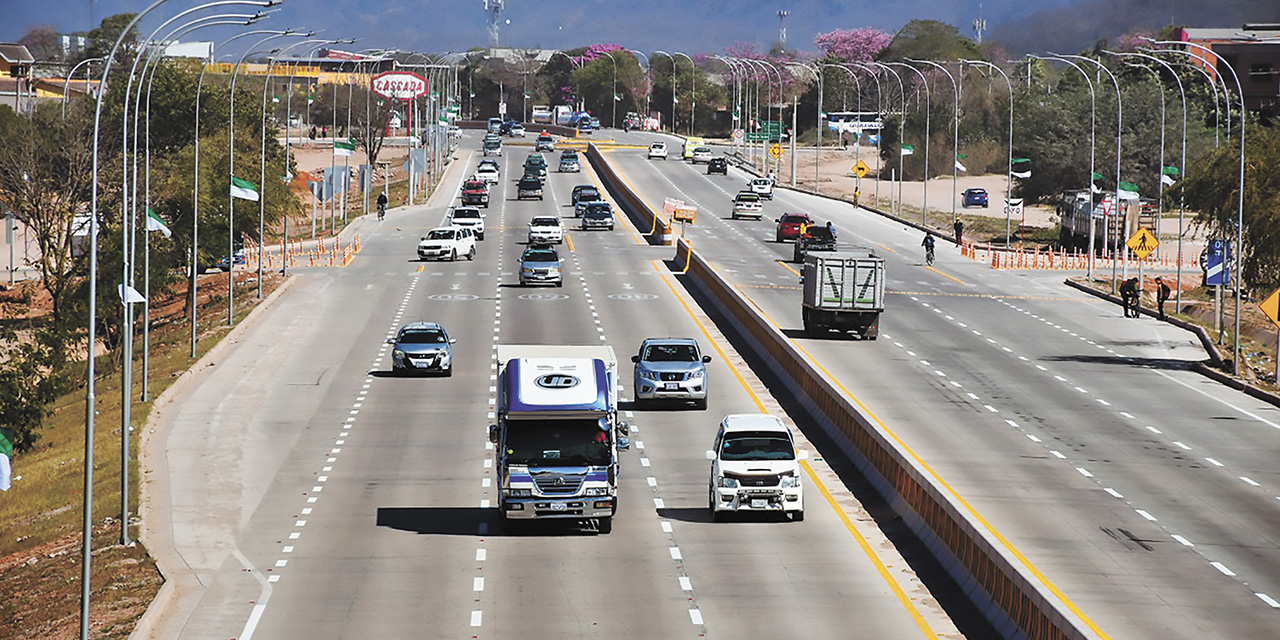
844, 291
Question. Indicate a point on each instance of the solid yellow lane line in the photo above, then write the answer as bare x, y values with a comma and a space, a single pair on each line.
901, 595
420, 268
569, 240
945, 275
787, 266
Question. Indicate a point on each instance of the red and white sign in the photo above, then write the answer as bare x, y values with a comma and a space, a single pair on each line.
399, 85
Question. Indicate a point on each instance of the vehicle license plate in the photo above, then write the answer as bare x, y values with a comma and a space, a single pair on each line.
673, 385
759, 503
558, 506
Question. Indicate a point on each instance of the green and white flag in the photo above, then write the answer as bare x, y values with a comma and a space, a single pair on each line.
1097, 176
1021, 160
617, 97
243, 189
960, 167
1167, 180
908, 149
155, 223
1167, 175
1127, 191
6, 456
343, 148
1022, 174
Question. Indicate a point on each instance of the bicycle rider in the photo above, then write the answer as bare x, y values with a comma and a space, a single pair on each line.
382, 205
927, 243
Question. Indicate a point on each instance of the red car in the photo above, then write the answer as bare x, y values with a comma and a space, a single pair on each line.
475, 193
789, 226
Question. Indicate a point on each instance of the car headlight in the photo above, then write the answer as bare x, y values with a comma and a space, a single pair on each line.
694, 375
555, 271
526, 270
517, 493
646, 374
597, 491
727, 483
397, 353
790, 481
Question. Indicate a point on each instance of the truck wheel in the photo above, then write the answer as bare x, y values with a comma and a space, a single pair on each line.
716, 516
808, 324
480, 236
604, 525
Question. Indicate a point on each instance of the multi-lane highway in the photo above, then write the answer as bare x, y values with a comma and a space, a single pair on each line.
1144, 494
307, 493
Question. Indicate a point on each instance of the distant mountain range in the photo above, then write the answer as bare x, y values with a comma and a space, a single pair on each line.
710, 26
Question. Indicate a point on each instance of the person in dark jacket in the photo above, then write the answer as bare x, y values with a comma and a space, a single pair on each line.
1129, 297
1162, 294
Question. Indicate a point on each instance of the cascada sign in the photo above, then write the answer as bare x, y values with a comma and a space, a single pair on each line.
399, 85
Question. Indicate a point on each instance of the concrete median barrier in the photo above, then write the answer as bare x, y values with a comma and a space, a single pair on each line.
659, 229
1011, 593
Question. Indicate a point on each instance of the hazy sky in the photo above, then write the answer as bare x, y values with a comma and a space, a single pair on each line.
431, 25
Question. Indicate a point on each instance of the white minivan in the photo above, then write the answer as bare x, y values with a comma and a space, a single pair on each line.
755, 466
495, 125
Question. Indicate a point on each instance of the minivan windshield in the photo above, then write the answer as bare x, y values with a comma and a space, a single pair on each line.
540, 255
748, 445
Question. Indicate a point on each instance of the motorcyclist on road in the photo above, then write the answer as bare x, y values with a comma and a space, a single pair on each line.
927, 243
382, 205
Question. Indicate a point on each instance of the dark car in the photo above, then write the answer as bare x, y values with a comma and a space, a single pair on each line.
529, 187
535, 162
718, 165
789, 225
814, 238
583, 194
975, 198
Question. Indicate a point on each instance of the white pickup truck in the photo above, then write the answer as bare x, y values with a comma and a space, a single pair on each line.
447, 243
747, 205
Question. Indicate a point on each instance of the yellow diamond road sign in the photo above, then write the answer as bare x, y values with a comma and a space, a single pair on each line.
1271, 307
1142, 243
861, 169
775, 150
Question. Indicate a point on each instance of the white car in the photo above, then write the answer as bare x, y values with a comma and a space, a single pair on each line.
517, 130
762, 187
488, 171
546, 230
658, 150
755, 466
447, 243
701, 154
470, 218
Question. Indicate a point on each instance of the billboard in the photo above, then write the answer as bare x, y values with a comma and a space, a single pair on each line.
399, 85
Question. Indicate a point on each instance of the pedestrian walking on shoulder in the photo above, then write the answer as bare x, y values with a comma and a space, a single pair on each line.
1162, 294
1128, 293
958, 227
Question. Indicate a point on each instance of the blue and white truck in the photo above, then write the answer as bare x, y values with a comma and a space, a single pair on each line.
557, 433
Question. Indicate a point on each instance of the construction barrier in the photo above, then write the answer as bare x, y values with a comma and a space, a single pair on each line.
1004, 258
1007, 591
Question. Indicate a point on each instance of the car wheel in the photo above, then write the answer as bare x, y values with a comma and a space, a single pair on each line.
480, 236
453, 257
471, 255
701, 405
797, 516
560, 283
448, 373
777, 238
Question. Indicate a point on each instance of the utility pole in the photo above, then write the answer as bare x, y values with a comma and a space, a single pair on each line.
979, 24
782, 26
494, 9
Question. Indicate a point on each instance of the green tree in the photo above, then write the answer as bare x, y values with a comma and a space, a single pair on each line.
929, 40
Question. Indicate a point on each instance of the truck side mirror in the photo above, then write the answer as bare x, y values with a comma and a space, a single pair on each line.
623, 429
706, 359
711, 455
493, 433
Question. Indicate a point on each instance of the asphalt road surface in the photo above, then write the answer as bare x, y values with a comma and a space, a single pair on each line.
313, 495
1146, 495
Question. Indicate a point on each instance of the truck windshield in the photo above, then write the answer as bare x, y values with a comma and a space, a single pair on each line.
671, 353
756, 446
557, 443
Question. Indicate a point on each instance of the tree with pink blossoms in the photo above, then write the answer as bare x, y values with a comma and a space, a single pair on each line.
853, 45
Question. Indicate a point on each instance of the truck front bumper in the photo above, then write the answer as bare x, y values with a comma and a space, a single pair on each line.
542, 507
